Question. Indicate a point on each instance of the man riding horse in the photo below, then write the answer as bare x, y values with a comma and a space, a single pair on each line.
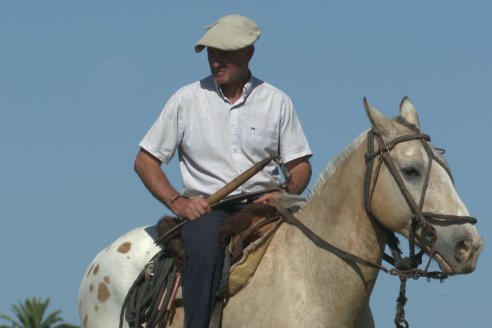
220, 126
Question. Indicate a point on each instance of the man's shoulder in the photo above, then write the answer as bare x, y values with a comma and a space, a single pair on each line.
205, 84
268, 88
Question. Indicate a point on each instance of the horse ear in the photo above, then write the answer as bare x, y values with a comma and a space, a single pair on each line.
379, 121
408, 112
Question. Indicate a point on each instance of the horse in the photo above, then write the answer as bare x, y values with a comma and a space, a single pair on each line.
409, 191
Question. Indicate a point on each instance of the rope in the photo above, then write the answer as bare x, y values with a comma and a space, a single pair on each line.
151, 294
400, 321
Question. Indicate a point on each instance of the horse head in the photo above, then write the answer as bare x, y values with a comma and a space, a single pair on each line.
409, 189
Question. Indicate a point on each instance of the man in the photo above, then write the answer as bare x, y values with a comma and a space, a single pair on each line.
220, 126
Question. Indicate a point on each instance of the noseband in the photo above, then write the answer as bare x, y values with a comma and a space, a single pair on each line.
407, 267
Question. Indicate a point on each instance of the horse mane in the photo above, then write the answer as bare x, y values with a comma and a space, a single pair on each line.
294, 203
334, 164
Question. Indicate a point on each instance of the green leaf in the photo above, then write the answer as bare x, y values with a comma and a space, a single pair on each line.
33, 314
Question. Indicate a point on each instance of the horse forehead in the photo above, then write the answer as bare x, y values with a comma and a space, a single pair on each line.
442, 195
411, 150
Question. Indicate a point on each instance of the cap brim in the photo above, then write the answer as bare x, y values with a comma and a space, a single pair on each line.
199, 47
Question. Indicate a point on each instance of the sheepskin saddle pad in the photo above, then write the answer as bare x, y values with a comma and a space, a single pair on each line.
245, 236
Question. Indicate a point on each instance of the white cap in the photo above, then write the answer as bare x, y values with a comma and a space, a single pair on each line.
229, 33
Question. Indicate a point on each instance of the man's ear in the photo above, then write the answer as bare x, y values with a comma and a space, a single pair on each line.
251, 51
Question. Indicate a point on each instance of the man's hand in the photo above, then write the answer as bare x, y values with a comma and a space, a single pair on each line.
190, 208
149, 170
265, 198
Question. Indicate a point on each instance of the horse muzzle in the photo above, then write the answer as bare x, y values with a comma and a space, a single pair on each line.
458, 249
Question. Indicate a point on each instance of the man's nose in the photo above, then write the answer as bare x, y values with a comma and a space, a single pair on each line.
216, 61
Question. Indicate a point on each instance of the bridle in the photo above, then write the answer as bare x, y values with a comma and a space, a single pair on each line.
407, 267
423, 219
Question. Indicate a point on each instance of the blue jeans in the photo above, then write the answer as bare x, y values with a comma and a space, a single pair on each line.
204, 258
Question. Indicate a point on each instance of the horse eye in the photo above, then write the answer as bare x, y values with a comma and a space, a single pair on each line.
410, 172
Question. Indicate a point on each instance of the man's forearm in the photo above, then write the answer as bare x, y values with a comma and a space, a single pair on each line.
148, 169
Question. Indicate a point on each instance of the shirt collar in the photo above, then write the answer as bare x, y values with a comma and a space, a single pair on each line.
248, 87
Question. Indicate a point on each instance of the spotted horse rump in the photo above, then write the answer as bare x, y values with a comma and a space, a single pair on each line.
111, 274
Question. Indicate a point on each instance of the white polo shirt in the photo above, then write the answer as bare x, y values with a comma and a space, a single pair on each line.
217, 141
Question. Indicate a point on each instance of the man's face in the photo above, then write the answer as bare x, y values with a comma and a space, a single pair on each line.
229, 66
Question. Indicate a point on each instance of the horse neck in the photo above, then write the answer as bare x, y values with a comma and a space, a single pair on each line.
336, 211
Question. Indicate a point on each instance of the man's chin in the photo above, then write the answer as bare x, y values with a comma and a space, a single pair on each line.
220, 79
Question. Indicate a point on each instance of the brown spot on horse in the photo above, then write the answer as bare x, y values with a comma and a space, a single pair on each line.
103, 293
125, 247
96, 269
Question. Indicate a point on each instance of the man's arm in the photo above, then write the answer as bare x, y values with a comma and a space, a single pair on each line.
148, 168
300, 171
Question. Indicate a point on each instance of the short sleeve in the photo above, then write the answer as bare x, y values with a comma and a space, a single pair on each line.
164, 136
293, 141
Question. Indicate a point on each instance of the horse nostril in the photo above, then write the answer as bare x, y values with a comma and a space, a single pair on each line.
463, 250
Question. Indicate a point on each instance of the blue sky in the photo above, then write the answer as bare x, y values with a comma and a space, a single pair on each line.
81, 82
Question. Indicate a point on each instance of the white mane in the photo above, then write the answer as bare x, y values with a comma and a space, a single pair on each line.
333, 165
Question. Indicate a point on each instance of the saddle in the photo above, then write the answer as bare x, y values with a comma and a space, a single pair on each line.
245, 236
154, 296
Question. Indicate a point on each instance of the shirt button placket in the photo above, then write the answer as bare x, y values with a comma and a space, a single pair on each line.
235, 139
